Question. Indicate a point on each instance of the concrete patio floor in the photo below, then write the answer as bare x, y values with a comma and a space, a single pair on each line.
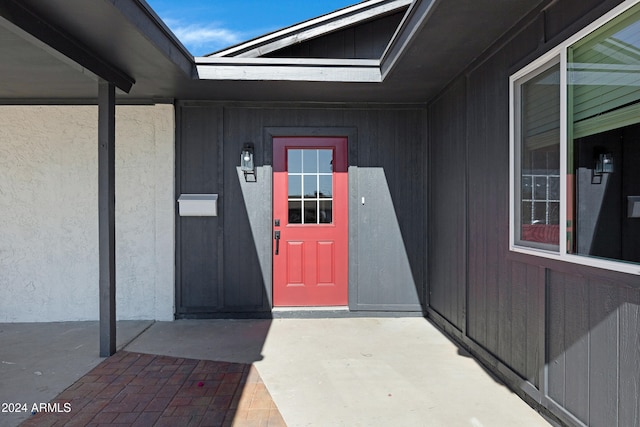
319, 372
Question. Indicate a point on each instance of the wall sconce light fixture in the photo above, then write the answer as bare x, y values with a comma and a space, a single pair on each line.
604, 165
246, 162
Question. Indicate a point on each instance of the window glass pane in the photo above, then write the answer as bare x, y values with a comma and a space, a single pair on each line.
325, 161
554, 188
604, 100
326, 212
554, 210
295, 186
527, 194
295, 212
539, 162
311, 186
540, 188
603, 71
326, 186
294, 160
310, 180
310, 161
311, 212
527, 213
539, 213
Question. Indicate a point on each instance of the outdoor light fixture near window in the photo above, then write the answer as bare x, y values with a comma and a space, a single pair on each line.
246, 162
604, 164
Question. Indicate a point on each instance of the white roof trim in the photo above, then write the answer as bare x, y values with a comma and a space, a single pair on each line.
415, 18
313, 28
289, 69
321, 70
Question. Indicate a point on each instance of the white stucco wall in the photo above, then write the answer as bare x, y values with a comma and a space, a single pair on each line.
49, 213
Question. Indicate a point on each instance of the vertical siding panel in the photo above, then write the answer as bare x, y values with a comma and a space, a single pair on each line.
447, 231
519, 318
437, 277
349, 43
461, 225
244, 287
411, 194
385, 257
629, 402
480, 328
367, 40
509, 344
577, 346
556, 339
497, 307
368, 132
447, 207
198, 173
603, 345
199, 280
497, 172
535, 313
494, 310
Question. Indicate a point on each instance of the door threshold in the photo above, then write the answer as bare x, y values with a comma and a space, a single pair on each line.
329, 312
326, 312
334, 312
315, 308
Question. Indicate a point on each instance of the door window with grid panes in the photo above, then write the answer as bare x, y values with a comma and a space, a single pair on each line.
310, 186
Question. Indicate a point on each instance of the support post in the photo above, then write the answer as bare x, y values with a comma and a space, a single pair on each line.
106, 216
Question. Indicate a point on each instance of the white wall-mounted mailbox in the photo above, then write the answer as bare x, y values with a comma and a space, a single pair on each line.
198, 204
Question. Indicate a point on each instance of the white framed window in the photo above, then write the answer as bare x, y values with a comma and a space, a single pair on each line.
575, 147
536, 157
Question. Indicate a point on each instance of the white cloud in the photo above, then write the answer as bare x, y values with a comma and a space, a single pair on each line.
203, 39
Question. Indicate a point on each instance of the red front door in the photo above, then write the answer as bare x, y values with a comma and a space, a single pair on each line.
310, 212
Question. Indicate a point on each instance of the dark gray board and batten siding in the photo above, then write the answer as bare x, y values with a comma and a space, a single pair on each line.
224, 270
365, 41
566, 336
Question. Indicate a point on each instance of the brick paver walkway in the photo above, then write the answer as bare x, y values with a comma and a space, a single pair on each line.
145, 390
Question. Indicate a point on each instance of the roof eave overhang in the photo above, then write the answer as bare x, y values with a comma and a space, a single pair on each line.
25, 23
414, 20
156, 31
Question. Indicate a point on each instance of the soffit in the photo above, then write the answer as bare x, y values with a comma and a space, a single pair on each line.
451, 35
436, 42
126, 35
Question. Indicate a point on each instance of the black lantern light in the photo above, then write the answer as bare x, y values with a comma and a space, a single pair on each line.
246, 162
604, 165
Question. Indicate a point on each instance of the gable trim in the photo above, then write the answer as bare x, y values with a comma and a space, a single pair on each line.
313, 28
415, 18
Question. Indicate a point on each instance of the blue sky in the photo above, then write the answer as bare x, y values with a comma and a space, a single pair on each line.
205, 26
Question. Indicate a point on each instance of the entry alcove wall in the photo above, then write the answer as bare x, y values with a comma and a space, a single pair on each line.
565, 336
224, 263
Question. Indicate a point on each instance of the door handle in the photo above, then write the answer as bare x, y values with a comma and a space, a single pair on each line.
276, 236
